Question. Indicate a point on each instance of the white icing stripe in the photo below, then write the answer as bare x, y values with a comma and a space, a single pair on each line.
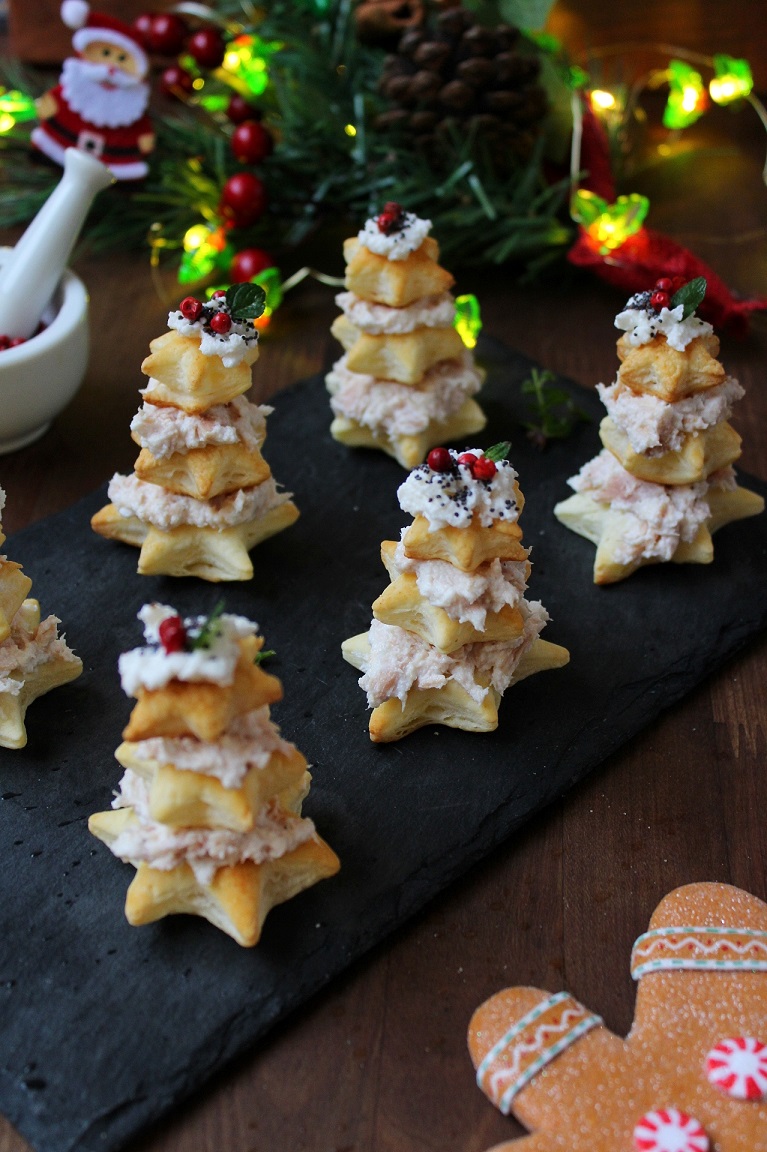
514, 1031
545, 1058
708, 955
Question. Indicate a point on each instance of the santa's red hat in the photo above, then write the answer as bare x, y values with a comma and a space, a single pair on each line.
90, 26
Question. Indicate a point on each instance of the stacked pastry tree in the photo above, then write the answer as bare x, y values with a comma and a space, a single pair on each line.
33, 657
202, 494
453, 630
405, 381
209, 807
664, 480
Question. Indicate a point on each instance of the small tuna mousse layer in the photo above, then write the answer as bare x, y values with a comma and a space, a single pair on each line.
275, 833
400, 661
456, 498
659, 515
382, 320
402, 409
466, 596
165, 510
249, 742
21, 653
165, 431
654, 426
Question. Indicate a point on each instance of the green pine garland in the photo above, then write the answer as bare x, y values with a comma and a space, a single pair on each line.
321, 79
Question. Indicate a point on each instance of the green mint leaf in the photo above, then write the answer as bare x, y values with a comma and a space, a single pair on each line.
264, 654
690, 295
498, 451
246, 301
210, 628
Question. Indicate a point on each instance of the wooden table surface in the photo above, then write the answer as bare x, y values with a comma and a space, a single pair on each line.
378, 1062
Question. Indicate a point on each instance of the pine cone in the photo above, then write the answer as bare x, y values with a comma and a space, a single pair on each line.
453, 74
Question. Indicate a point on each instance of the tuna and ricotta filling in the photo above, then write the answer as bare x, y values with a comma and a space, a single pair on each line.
165, 431
153, 504
274, 834
402, 409
21, 653
249, 742
381, 319
658, 516
654, 426
400, 661
466, 596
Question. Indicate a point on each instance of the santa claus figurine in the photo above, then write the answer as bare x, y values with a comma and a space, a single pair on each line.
100, 104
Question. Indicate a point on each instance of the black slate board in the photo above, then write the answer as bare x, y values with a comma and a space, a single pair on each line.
103, 1028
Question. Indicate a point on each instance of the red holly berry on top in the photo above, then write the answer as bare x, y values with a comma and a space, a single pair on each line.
172, 634
190, 309
440, 460
391, 219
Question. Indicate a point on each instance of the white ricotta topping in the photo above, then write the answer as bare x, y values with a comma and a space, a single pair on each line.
398, 245
274, 834
400, 660
403, 409
249, 742
654, 426
380, 319
21, 653
153, 504
153, 667
238, 343
164, 431
455, 498
466, 596
642, 326
659, 515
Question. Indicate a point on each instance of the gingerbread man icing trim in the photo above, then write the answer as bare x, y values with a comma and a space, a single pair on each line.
712, 949
531, 1044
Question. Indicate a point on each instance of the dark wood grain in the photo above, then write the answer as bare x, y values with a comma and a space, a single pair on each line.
378, 1062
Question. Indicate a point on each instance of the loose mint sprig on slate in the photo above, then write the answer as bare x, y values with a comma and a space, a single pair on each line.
499, 451
210, 628
246, 301
553, 411
690, 295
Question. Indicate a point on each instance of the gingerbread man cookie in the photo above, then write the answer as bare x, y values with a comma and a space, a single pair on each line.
692, 1074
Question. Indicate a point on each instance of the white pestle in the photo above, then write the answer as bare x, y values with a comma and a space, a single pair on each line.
32, 271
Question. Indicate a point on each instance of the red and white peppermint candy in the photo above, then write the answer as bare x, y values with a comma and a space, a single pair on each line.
739, 1067
669, 1130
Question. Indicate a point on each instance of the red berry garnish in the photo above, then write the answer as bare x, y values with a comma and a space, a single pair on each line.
238, 110
664, 284
172, 634
5, 342
166, 34
176, 81
468, 458
439, 460
660, 300
221, 322
484, 469
243, 199
391, 218
16, 340
249, 263
206, 47
251, 142
218, 294
190, 308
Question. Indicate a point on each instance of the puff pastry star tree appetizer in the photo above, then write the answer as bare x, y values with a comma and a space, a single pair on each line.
453, 630
209, 806
201, 495
33, 657
405, 381
664, 481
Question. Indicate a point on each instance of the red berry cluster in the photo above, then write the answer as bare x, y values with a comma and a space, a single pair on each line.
172, 634
193, 310
167, 34
440, 460
391, 219
11, 342
663, 291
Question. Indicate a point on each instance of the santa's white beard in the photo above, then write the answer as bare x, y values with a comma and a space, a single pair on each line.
81, 85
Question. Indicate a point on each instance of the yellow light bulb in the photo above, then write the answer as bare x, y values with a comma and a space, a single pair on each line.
6, 122
602, 101
350, 130
195, 237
